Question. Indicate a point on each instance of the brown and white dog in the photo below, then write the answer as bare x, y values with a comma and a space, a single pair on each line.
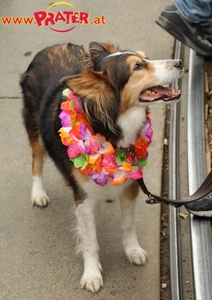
114, 88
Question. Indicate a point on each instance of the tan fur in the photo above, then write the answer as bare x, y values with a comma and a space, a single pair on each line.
96, 48
131, 192
141, 53
80, 178
89, 85
38, 154
132, 89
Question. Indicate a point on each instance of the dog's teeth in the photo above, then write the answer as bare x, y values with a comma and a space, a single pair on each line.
173, 92
177, 91
148, 91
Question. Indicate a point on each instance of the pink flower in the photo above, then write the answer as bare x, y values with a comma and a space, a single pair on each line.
147, 131
65, 118
71, 96
109, 161
76, 149
94, 145
76, 101
129, 157
84, 132
91, 144
136, 173
100, 178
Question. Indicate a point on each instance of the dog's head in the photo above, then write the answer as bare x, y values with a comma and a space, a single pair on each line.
118, 87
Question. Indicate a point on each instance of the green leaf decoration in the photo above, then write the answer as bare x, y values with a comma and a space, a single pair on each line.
71, 105
79, 161
85, 163
65, 92
118, 160
142, 162
122, 153
120, 156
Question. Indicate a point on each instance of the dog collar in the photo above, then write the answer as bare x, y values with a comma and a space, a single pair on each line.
92, 154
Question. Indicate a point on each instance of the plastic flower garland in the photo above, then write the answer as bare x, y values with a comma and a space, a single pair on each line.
92, 154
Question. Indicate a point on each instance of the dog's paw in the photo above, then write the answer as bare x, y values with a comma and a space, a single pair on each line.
40, 199
136, 255
92, 281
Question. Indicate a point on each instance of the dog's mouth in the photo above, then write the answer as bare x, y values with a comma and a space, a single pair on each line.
159, 92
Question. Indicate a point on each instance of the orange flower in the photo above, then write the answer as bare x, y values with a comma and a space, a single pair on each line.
65, 137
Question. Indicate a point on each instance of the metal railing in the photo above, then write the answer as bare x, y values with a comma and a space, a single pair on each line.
175, 265
200, 229
201, 239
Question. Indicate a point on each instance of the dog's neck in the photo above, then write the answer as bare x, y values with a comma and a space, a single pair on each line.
92, 154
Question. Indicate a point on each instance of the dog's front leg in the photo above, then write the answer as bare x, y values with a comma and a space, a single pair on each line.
38, 194
85, 212
135, 254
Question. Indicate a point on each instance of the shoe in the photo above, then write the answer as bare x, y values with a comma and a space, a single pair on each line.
208, 37
188, 33
202, 207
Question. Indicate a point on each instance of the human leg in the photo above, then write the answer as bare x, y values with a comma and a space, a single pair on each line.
188, 33
198, 12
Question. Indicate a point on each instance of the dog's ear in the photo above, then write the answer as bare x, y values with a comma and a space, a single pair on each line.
97, 99
87, 83
142, 54
96, 48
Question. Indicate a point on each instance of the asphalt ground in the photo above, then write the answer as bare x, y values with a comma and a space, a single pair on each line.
37, 246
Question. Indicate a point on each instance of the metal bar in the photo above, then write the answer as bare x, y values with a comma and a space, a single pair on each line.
174, 248
201, 239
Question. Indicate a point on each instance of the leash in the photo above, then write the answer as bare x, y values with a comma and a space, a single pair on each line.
202, 191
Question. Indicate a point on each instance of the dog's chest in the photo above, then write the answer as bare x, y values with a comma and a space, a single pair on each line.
109, 191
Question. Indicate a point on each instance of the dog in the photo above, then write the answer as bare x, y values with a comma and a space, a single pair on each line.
110, 90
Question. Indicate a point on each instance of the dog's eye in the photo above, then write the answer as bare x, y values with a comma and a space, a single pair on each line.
138, 67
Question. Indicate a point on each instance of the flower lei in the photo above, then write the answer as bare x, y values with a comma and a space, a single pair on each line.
92, 154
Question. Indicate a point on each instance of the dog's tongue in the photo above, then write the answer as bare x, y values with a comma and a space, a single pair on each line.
159, 92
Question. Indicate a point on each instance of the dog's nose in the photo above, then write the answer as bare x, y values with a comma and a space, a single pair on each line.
178, 63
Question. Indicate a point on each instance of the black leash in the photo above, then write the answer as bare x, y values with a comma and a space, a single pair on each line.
202, 191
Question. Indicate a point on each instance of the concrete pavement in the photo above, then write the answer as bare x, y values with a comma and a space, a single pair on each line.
37, 246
